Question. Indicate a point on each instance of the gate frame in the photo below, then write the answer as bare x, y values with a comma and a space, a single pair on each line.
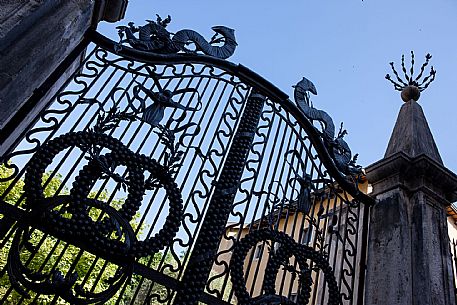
245, 75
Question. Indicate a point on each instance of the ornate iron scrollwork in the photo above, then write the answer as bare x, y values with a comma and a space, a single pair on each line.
162, 99
67, 216
248, 128
55, 282
338, 148
288, 248
154, 37
152, 114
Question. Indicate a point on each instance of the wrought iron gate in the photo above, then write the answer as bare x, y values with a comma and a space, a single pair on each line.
161, 176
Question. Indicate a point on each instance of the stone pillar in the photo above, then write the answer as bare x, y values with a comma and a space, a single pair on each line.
36, 36
408, 257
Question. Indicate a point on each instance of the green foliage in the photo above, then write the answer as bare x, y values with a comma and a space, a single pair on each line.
49, 254
13, 195
221, 283
148, 287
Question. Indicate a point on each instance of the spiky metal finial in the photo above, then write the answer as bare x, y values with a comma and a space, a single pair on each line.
411, 87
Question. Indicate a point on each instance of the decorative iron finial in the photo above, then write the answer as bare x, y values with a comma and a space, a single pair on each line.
338, 148
155, 38
412, 87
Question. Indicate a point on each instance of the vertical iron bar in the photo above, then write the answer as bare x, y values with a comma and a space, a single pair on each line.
363, 254
453, 246
454, 257
258, 204
276, 173
250, 200
207, 242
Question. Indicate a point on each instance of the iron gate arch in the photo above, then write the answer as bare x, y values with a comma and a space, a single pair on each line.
155, 178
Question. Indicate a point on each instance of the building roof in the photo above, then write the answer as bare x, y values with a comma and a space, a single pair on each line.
412, 135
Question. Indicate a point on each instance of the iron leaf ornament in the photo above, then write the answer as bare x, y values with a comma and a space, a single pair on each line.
155, 38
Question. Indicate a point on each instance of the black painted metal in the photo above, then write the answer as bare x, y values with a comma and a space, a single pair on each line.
180, 178
421, 85
363, 256
154, 37
252, 79
453, 249
206, 244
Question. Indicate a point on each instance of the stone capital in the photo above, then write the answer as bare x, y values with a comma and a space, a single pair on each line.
420, 173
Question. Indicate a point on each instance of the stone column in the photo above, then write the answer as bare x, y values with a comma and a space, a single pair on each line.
408, 257
36, 36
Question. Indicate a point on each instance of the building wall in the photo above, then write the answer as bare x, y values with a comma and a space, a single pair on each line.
452, 230
294, 225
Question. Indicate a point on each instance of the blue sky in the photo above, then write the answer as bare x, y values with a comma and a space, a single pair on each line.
344, 47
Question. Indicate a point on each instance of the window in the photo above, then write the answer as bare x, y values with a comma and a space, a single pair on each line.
276, 247
293, 297
307, 235
258, 251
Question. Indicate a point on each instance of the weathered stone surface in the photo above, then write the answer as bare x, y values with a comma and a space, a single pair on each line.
411, 134
11, 13
389, 254
36, 37
412, 174
410, 93
409, 260
408, 255
113, 10
431, 260
28, 116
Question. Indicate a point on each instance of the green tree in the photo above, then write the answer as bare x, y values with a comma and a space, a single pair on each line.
148, 287
48, 253
14, 194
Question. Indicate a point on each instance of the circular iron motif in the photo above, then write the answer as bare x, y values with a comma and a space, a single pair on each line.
64, 285
67, 217
288, 248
